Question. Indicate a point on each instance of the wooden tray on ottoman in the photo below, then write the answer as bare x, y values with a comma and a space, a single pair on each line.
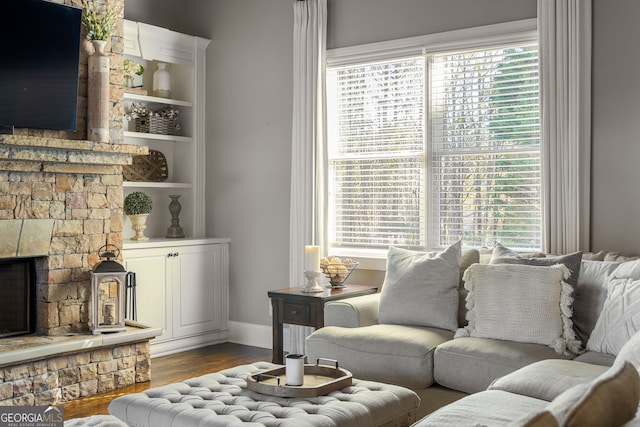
318, 380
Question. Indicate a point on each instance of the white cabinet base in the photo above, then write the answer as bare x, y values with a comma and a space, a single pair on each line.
182, 286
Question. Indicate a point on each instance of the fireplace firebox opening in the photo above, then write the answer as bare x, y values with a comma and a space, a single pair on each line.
17, 296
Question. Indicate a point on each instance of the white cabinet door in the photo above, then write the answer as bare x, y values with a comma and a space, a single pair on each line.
197, 298
153, 287
183, 287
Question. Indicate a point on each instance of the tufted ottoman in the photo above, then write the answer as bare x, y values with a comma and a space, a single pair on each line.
222, 399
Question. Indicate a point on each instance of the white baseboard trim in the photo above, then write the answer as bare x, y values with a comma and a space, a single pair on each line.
250, 334
164, 348
254, 335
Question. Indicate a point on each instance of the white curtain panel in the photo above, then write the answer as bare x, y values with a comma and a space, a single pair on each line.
564, 28
309, 51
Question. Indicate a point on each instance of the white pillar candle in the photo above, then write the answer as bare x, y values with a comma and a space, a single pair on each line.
294, 369
311, 258
109, 314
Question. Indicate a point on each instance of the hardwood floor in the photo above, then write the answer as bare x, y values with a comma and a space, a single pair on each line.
170, 369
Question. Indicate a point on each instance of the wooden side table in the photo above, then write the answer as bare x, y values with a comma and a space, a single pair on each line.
292, 306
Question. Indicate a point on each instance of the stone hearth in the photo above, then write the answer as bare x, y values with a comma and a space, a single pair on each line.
46, 370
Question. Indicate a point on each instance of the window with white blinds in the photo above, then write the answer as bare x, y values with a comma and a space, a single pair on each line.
484, 134
375, 121
429, 149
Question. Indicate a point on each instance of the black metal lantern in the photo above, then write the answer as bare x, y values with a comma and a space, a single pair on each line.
107, 292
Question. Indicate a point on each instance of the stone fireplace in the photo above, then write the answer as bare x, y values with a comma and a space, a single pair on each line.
61, 200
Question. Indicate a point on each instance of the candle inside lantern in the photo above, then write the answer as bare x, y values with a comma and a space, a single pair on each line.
109, 314
311, 258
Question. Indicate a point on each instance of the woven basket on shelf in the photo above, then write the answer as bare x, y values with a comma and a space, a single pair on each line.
150, 168
157, 124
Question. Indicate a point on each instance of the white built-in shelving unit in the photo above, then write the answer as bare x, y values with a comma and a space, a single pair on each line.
182, 284
149, 45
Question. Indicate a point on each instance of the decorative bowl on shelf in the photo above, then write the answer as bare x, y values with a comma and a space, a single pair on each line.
337, 270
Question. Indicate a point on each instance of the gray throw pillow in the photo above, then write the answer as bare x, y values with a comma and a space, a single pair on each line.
504, 255
421, 288
590, 295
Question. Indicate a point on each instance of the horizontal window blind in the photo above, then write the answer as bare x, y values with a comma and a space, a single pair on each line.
484, 145
429, 149
376, 119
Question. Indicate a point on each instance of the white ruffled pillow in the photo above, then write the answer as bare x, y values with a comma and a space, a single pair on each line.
522, 303
620, 315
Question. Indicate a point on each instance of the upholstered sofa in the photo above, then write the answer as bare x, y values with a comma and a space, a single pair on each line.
463, 369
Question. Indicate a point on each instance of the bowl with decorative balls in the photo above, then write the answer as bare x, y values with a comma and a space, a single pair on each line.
337, 270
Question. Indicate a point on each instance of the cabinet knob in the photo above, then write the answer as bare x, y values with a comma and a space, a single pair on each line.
172, 254
295, 312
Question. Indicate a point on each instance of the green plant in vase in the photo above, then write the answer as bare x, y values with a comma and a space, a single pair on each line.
99, 25
138, 206
131, 68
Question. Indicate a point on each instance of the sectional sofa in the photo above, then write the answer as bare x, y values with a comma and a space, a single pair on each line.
495, 337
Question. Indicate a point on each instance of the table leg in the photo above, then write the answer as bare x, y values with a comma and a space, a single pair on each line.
278, 345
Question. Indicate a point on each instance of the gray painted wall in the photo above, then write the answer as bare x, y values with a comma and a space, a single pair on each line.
353, 22
249, 115
163, 13
249, 98
615, 192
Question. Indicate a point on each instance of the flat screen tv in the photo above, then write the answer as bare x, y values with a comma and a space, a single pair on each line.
39, 59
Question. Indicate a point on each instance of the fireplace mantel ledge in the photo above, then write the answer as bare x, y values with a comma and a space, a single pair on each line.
41, 149
59, 345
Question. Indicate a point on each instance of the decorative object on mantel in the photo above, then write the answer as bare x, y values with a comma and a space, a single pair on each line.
150, 168
98, 94
175, 231
137, 206
162, 81
131, 69
337, 270
164, 122
107, 292
99, 29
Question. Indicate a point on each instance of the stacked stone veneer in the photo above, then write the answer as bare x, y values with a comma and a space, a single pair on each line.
61, 199
67, 377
